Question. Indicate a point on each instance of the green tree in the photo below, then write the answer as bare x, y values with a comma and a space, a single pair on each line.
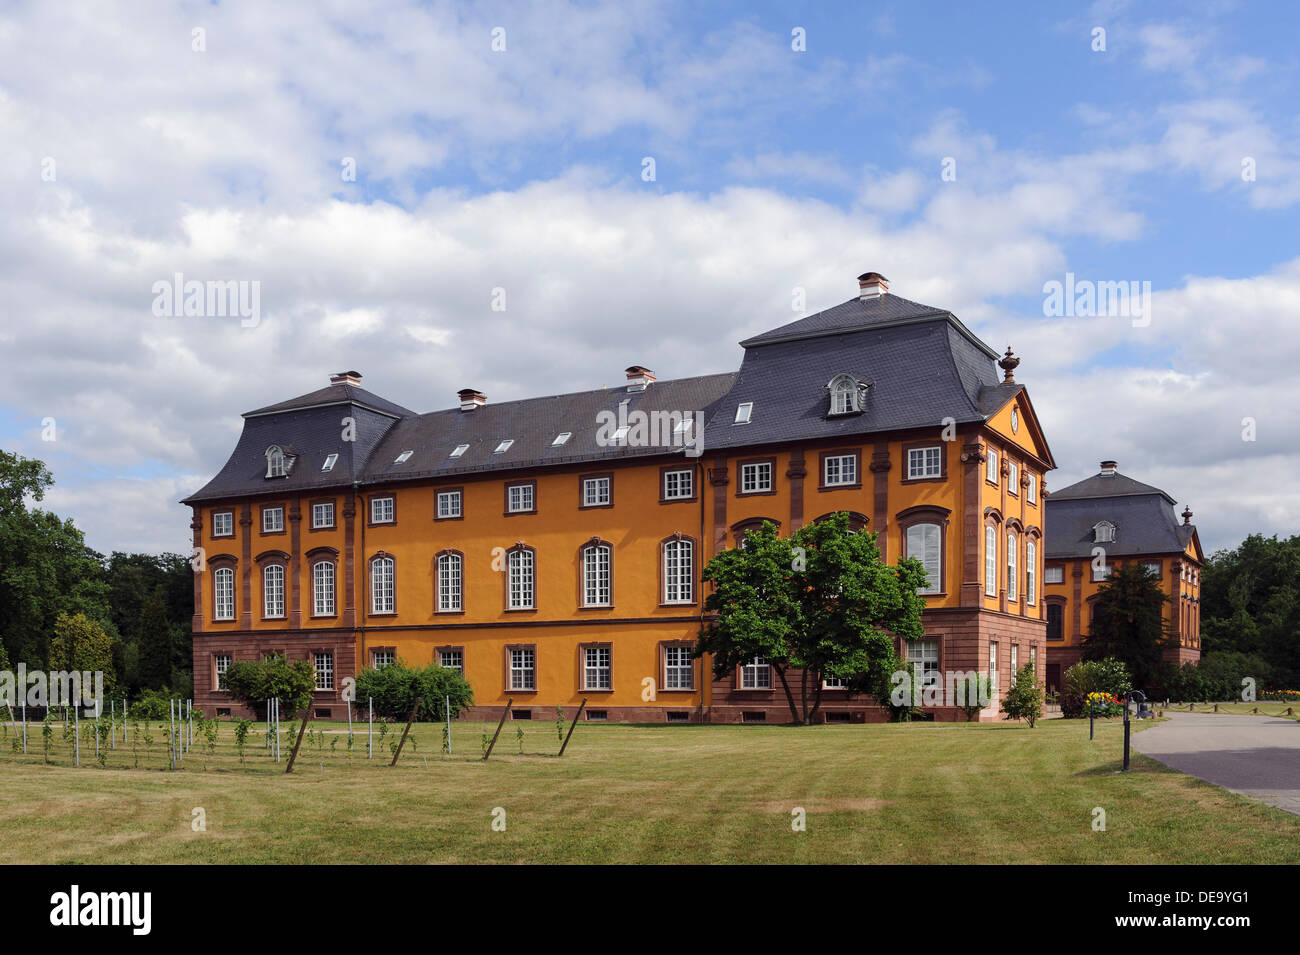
155, 655
1093, 676
1250, 603
1024, 699
820, 604
255, 682
80, 643
395, 687
1128, 623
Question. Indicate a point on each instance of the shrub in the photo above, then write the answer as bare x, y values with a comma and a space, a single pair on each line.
1024, 701
1093, 676
255, 682
395, 687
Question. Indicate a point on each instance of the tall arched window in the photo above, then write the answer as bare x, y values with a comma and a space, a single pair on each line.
273, 590
1031, 572
679, 571
450, 582
844, 394
382, 594
596, 575
990, 561
1012, 576
223, 594
275, 462
924, 542
1103, 532
322, 588
521, 583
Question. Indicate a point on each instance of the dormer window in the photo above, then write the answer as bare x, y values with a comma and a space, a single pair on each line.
1103, 532
743, 412
275, 462
846, 394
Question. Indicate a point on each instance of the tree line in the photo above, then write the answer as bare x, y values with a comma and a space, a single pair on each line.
64, 606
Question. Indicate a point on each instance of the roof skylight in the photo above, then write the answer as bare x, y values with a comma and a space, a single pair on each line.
460, 449
504, 446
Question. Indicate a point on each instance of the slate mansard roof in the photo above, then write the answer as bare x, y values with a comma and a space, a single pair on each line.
1144, 519
919, 365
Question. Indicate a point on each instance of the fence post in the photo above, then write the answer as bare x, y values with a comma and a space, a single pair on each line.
447, 712
370, 737
504, 713
576, 717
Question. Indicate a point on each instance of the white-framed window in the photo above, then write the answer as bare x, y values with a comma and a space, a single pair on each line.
273, 590
595, 575
1053, 575
679, 485
596, 668
523, 668
324, 663
452, 659
1013, 479
1031, 572
450, 582
322, 515
840, 469
991, 473
382, 658
223, 594
221, 663
1103, 532
1152, 567
449, 504
744, 411
223, 524
924, 657
520, 567
1102, 572
382, 510
1031, 491
844, 394
1033, 659
923, 543
756, 477
990, 561
562, 438
679, 567
275, 463
756, 674
993, 667
504, 446
519, 498
924, 462
834, 683
272, 520
458, 450
381, 586
1013, 554
679, 669
1014, 663
322, 588
330, 460
595, 491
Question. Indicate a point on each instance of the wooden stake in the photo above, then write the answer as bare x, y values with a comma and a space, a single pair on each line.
506, 712
301, 729
576, 717
409, 720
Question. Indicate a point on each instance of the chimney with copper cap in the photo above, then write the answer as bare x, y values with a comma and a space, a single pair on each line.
345, 378
639, 378
1109, 468
872, 285
471, 399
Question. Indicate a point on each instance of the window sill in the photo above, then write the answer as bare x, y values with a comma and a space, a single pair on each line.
840, 487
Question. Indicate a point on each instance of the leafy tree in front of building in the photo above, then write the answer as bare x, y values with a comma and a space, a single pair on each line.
1024, 699
1128, 624
253, 682
84, 645
822, 603
396, 686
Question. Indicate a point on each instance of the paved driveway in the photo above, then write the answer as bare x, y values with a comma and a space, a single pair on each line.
1257, 756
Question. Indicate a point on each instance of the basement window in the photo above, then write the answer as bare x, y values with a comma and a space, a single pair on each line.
504, 446
403, 457
521, 714
838, 717
223, 711
743, 412
460, 449
323, 714
753, 716
562, 438
598, 716
678, 716
329, 462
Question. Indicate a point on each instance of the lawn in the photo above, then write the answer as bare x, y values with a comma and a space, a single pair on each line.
922, 792
1239, 709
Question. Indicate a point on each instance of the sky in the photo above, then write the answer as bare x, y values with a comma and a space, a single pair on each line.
641, 183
